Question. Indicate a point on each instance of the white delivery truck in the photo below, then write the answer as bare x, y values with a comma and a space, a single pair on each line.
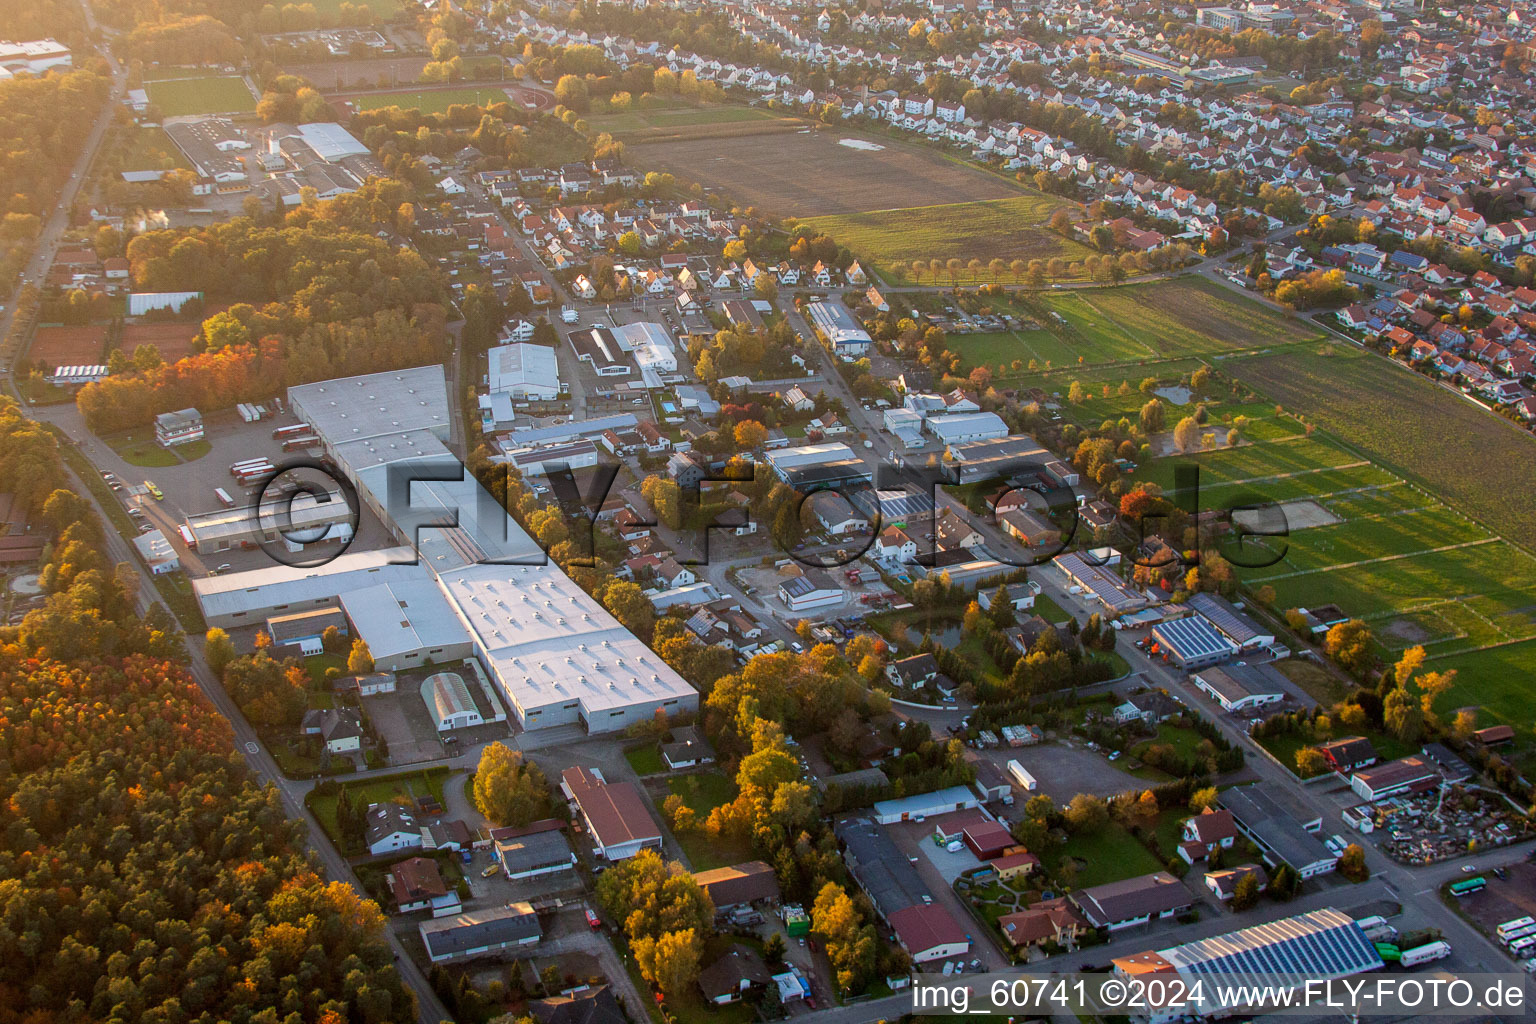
1424, 954
1021, 775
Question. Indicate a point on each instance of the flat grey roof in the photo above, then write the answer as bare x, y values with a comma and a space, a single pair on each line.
1275, 827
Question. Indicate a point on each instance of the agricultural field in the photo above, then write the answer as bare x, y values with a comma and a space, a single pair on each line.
1387, 550
69, 346
1006, 228
434, 101
184, 97
811, 172
1137, 323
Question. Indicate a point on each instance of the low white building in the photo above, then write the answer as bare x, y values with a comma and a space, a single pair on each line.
811, 589
523, 371
157, 552
970, 426
447, 696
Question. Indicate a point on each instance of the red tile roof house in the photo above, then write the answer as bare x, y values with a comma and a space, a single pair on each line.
615, 815
1206, 833
1053, 920
416, 884
1349, 753
929, 932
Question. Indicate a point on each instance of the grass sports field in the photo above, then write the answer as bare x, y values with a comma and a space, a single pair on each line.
1132, 324
382, 10
1009, 229
150, 149
434, 101
181, 97
1367, 538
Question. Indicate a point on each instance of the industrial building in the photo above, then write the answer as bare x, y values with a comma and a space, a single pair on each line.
465, 580
1192, 643
226, 529
1395, 778
992, 458
598, 347
1283, 836
1242, 687
959, 428
536, 853
1101, 584
477, 933
36, 56
615, 815
924, 928
1231, 623
1320, 945
848, 338
786, 460
214, 147
651, 348
523, 371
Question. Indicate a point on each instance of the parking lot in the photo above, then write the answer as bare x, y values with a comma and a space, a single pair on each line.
188, 489
1505, 899
1064, 771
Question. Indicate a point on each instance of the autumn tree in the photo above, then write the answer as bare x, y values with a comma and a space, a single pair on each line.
1087, 813
360, 658
507, 789
1186, 434
218, 650
1352, 863
1310, 762
1245, 895
1350, 645
851, 943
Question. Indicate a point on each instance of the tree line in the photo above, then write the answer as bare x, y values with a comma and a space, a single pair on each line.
146, 875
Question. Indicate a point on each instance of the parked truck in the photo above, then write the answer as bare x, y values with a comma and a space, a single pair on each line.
1021, 775
1424, 954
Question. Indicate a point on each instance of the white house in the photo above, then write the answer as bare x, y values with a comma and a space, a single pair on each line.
391, 827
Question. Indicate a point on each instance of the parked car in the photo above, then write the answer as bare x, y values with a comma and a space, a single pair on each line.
491, 869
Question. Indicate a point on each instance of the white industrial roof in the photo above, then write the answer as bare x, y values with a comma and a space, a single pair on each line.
375, 404
785, 459
286, 584
638, 335
522, 365
550, 643
402, 616
330, 141
840, 326
967, 424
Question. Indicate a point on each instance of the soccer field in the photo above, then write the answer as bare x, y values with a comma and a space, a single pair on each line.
1134, 323
433, 101
184, 97
1417, 570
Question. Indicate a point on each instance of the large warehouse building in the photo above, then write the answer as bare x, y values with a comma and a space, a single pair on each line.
1322, 944
466, 579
